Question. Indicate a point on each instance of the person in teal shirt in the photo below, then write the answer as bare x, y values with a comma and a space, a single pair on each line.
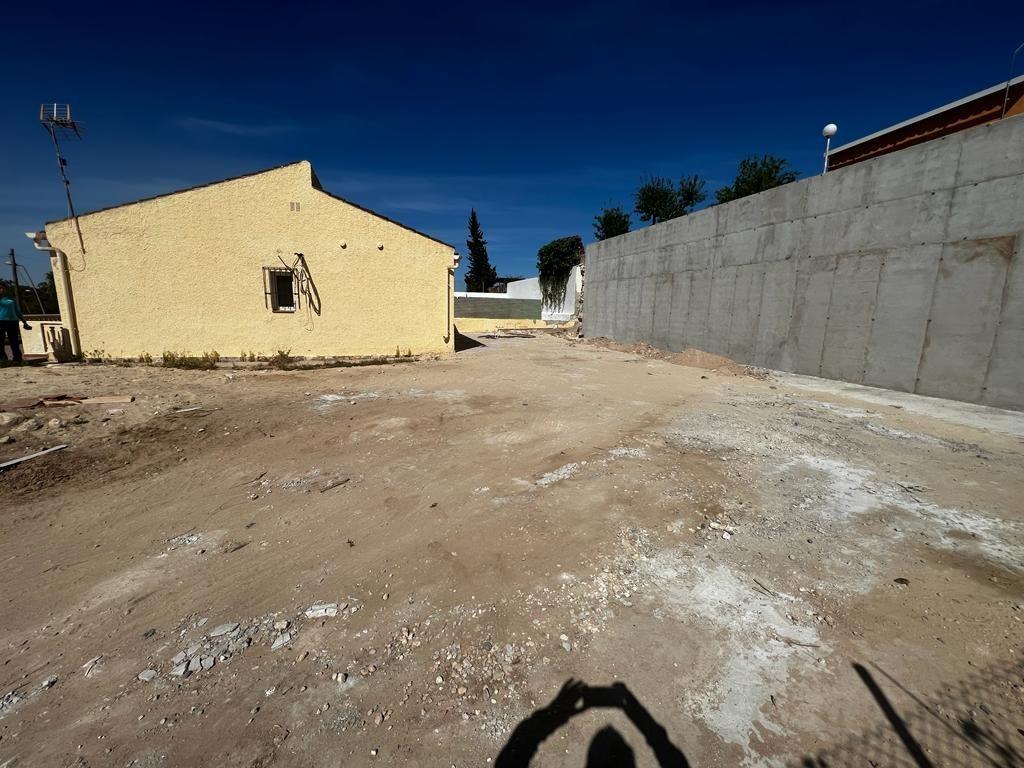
9, 333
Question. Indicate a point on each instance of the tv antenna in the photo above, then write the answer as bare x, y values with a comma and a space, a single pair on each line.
57, 120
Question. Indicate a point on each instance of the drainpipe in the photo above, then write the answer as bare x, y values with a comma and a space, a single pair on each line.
449, 299
38, 238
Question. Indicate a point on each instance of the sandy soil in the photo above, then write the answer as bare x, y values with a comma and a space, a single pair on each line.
484, 529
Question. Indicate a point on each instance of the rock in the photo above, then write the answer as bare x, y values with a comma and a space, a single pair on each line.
439, 680
320, 610
223, 629
147, 675
6, 440
194, 665
9, 419
178, 657
55, 423
181, 670
283, 624
901, 581
28, 425
207, 662
48, 682
281, 640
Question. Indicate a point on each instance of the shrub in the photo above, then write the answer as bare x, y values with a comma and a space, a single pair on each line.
207, 361
554, 266
282, 360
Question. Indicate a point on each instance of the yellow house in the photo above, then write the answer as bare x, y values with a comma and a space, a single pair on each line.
260, 263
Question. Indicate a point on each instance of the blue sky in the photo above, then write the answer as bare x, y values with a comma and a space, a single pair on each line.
536, 114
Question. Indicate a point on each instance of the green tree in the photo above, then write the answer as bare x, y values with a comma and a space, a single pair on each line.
756, 174
481, 275
554, 266
692, 192
611, 222
656, 200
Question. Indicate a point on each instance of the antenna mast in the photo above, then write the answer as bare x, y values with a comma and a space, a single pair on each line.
57, 121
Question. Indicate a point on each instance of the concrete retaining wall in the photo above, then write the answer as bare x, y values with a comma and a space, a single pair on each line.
902, 272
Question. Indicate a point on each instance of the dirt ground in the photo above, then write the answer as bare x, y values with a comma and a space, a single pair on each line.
779, 570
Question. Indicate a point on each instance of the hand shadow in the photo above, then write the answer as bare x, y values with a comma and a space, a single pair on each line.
608, 747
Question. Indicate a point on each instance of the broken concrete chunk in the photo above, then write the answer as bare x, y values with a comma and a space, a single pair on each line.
281, 640
320, 610
147, 675
9, 419
223, 629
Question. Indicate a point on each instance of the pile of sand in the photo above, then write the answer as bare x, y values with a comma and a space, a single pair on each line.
690, 356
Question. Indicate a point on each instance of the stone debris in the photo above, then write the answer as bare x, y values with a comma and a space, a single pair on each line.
181, 670
183, 540
9, 701
147, 675
207, 662
321, 610
281, 640
223, 629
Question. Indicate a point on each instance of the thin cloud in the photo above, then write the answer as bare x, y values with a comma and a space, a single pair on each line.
251, 130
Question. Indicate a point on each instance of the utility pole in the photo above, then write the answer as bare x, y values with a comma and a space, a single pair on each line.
14, 278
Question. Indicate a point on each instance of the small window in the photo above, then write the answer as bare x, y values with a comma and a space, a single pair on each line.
280, 289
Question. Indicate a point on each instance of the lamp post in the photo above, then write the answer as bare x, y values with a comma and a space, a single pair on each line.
828, 132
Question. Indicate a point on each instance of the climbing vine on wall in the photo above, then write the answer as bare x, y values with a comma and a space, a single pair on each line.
554, 266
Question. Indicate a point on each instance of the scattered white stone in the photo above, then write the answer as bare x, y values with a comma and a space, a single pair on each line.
223, 629
320, 610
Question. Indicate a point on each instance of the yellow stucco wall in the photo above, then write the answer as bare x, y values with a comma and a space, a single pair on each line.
184, 273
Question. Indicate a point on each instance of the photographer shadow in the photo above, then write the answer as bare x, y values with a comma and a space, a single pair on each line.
608, 747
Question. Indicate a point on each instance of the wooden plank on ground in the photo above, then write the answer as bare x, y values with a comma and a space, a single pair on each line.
35, 455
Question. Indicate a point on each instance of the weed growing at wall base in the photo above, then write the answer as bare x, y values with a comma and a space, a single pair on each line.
207, 361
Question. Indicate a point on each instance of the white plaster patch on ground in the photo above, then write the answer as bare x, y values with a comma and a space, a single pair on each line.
627, 453
564, 472
331, 399
850, 494
752, 629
